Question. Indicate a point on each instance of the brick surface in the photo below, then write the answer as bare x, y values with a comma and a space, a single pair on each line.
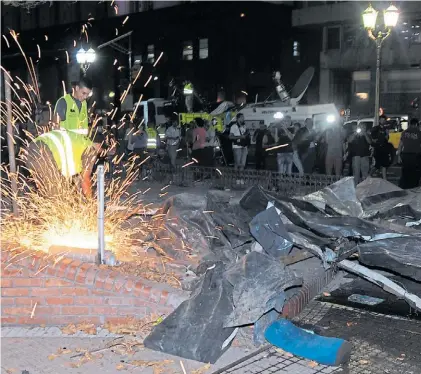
65, 290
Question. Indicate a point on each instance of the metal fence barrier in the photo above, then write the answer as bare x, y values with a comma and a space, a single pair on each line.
226, 177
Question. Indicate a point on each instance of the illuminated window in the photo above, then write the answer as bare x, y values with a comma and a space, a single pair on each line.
203, 49
151, 54
188, 50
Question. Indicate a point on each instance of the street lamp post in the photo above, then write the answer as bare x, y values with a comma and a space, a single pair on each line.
85, 58
391, 16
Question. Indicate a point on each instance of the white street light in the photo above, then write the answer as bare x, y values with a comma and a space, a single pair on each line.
391, 16
85, 58
81, 56
370, 17
90, 56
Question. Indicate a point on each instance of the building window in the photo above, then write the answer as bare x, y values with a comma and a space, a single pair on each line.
203, 49
333, 38
188, 50
296, 50
151, 54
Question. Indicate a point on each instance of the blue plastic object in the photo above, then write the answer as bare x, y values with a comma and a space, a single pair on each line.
327, 351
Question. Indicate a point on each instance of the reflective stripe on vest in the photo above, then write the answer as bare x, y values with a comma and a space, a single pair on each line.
151, 139
188, 89
78, 131
65, 152
151, 144
67, 149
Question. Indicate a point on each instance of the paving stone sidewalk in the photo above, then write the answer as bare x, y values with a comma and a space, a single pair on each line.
34, 349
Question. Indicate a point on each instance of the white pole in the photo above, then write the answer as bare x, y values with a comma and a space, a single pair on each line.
10, 143
100, 193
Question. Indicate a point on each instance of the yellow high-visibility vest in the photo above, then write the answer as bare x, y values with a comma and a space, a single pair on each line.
151, 138
188, 89
67, 148
76, 121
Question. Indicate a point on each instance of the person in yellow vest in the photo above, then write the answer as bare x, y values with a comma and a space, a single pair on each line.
59, 154
71, 110
153, 138
188, 92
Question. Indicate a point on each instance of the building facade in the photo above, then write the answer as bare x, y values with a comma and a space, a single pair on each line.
347, 60
226, 49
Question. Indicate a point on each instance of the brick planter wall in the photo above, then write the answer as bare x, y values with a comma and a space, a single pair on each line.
70, 291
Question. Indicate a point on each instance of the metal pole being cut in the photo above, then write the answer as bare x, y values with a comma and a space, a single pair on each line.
11, 143
101, 204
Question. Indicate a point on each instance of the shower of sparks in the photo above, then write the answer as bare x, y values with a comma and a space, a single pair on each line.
147, 82
67, 57
64, 88
7, 73
125, 20
276, 147
74, 43
55, 213
30, 67
53, 210
33, 310
157, 60
39, 52
138, 74
188, 164
116, 31
46, 38
7, 42
135, 109
115, 61
116, 9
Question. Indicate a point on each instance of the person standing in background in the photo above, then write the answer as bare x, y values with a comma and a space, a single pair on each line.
295, 158
383, 152
359, 147
284, 153
409, 154
334, 154
209, 145
172, 139
139, 141
306, 146
199, 140
262, 139
241, 140
128, 144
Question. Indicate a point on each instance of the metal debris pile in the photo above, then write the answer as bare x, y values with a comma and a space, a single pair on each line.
244, 250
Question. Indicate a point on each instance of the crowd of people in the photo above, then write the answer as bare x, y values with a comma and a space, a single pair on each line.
290, 147
287, 146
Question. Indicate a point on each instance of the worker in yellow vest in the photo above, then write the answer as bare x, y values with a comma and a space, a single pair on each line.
153, 138
60, 154
189, 97
71, 110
